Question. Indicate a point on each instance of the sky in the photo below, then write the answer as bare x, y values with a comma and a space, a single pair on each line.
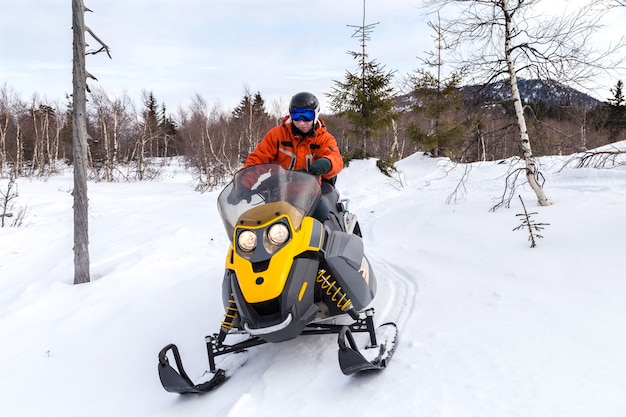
488, 326
216, 49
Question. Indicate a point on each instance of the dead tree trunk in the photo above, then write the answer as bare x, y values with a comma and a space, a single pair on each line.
79, 149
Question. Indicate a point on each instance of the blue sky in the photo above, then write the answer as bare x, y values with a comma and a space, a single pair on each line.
213, 48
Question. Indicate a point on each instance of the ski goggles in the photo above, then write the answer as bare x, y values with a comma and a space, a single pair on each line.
302, 114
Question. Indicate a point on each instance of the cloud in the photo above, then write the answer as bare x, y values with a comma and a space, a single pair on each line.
177, 49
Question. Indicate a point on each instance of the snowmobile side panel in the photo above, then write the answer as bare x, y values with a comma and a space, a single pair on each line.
346, 261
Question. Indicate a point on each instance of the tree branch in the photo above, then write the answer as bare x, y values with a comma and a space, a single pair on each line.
104, 46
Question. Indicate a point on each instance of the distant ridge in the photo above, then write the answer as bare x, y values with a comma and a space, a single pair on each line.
550, 93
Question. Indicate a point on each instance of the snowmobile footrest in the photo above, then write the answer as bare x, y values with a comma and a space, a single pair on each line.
177, 380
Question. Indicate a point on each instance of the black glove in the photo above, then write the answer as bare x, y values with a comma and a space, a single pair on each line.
319, 167
247, 194
238, 193
232, 197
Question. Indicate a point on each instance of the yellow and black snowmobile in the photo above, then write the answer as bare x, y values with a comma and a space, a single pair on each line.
289, 274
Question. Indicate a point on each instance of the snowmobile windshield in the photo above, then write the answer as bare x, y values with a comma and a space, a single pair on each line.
264, 184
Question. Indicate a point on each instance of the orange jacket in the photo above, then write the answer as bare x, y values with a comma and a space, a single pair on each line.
295, 152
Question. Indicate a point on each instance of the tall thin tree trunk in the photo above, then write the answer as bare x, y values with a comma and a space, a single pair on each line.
116, 139
79, 137
36, 138
19, 152
531, 165
108, 166
3, 142
48, 143
57, 135
394, 145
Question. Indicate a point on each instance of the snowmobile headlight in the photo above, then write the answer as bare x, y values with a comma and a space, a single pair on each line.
247, 241
278, 234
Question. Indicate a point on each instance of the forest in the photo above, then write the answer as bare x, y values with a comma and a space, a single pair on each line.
440, 113
124, 141
468, 102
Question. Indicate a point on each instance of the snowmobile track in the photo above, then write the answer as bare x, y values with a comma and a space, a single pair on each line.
397, 292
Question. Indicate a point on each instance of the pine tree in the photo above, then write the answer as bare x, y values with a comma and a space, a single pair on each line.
439, 100
251, 122
366, 96
616, 114
168, 132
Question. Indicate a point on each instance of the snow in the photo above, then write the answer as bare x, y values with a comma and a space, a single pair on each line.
488, 325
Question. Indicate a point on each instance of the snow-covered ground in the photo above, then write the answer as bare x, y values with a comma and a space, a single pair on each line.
488, 325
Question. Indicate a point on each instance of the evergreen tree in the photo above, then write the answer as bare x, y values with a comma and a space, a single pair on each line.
158, 129
439, 100
616, 114
168, 134
250, 123
366, 96
250, 107
149, 128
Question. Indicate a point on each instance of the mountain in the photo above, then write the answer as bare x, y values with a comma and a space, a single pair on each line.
551, 93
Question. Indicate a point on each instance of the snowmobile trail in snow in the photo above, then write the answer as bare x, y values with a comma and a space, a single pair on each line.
397, 292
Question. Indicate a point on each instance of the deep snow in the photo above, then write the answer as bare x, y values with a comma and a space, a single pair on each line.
488, 325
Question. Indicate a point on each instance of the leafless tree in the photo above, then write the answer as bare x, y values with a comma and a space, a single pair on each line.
6, 197
6, 120
608, 157
79, 122
205, 147
112, 120
46, 121
506, 38
79, 119
21, 114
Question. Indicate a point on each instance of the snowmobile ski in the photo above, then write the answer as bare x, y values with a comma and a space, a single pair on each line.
177, 381
382, 342
351, 360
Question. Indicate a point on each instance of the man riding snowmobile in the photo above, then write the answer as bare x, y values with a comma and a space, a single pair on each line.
296, 264
301, 143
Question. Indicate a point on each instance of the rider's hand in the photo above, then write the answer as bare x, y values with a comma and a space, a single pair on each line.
319, 166
239, 193
247, 194
232, 197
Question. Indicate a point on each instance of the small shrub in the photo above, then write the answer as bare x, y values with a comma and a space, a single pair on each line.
6, 204
528, 223
386, 167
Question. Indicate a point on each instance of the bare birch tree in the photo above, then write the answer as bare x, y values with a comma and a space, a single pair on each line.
505, 38
6, 119
113, 123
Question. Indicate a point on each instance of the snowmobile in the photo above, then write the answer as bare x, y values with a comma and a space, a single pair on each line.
288, 274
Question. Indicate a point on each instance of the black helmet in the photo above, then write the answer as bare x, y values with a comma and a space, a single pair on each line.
305, 100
